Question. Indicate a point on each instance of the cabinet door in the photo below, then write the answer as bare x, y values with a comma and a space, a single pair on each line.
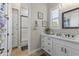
72, 51
57, 50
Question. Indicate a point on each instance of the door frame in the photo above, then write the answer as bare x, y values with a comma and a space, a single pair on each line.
21, 33
18, 25
29, 17
29, 41
9, 28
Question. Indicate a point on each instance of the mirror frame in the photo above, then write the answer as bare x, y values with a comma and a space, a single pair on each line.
63, 19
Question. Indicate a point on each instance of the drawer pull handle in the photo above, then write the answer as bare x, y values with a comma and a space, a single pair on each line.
49, 39
49, 50
43, 41
62, 49
65, 50
43, 47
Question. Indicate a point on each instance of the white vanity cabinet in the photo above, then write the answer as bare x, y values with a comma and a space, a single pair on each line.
59, 47
46, 44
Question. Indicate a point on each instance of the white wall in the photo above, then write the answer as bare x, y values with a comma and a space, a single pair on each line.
69, 6
35, 8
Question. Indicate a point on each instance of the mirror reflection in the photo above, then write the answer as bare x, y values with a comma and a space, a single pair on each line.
71, 19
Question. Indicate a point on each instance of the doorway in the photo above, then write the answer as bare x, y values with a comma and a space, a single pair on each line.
24, 34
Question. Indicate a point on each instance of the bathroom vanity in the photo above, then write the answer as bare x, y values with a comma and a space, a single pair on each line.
59, 45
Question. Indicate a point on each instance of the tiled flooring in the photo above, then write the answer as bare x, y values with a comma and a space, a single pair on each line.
40, 53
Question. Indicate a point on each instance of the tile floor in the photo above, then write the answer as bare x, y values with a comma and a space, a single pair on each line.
40, 53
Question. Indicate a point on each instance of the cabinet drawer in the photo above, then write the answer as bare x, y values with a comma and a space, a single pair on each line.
49, 40
49, 44
43, 46
49, 50
42, 41
43, 37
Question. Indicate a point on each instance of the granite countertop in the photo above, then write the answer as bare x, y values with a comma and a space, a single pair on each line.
74, 40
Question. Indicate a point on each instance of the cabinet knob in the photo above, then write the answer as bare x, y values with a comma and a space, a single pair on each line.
49, 50
48, 43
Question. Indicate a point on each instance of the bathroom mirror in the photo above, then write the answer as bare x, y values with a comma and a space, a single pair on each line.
70, 19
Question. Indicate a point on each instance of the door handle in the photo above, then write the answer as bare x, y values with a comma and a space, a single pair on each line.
1, 50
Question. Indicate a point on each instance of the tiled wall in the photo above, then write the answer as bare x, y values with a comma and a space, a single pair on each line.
67, 31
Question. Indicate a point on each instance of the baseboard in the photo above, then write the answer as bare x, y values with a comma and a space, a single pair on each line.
34, 51
19, 46
14, 47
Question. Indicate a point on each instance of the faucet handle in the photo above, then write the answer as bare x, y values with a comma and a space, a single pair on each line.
73, 35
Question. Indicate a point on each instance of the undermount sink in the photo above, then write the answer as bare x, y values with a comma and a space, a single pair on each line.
68, 36
56, 34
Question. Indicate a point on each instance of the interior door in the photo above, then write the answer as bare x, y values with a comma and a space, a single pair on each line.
25, 30
14, 27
